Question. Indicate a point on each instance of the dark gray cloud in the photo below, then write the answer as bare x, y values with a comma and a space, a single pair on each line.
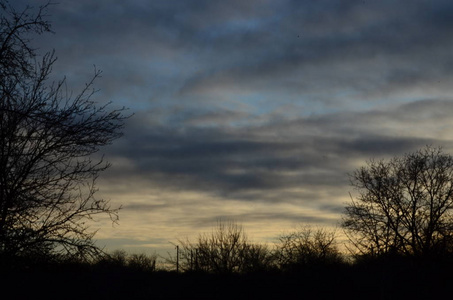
167, 51
262, 217
360, 48
313, 152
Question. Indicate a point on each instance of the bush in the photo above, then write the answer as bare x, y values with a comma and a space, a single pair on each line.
307, 247
120, 259
224, 251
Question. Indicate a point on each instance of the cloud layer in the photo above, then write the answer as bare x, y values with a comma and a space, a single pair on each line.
254, 110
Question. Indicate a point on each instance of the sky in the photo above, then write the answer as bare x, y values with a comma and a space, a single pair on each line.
252, 111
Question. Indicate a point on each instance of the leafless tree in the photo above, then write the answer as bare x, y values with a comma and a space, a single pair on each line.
120, 259
404, 205
307, 247
47, 142
258, 258
225, 250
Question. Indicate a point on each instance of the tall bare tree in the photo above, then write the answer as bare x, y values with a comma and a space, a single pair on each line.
47, 142
404, 205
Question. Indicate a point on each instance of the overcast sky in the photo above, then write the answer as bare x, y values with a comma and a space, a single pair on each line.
253, 111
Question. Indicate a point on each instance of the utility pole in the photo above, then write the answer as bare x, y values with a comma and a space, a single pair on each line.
177, 259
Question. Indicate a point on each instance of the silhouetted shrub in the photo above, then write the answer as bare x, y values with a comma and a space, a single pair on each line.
307, 247
224, 251
142, 262
258, 258
120, 259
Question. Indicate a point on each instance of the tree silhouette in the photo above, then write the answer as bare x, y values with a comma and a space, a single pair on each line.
225, 250
47, 142
307, 247
404, 205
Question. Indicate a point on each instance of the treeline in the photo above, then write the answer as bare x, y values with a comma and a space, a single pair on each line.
228, 250
225, 264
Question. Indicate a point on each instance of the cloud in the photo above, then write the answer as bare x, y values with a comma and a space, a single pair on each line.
327, 56
243, 105
312, 152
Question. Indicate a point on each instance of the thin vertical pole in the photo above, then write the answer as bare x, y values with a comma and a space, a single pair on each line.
177, 259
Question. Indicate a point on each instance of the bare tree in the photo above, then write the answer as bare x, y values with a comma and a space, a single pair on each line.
47, 142
307, 247
16, 55
258, 258
120, 259
404, 205
218, 252
225, 250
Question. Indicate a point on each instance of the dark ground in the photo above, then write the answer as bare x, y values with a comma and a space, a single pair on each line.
371, 281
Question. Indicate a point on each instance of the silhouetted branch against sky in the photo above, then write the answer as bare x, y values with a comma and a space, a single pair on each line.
48, 137
254, 110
